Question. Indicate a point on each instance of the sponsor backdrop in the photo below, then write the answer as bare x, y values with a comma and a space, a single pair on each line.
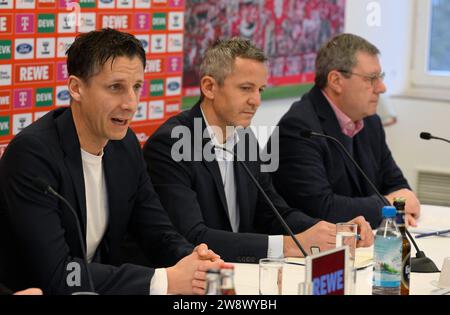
289, 31
34, 35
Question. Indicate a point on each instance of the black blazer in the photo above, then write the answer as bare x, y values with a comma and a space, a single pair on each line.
192, 192
315, 176
38, 235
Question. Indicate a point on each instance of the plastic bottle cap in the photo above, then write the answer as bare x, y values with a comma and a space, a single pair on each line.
388, 212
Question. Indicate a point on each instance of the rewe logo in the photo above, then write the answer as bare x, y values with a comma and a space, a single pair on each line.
34, 73
173, 107
25, 23
116, 21
153, 66
46, 3
4, 100
159, 2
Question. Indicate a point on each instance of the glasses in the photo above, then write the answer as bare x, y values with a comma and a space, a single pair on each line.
373, 79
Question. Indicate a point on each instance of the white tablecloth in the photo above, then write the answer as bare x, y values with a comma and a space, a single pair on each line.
435, 247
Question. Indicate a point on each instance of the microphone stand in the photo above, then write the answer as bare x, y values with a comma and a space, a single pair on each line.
271, 205
46, 188
421, 263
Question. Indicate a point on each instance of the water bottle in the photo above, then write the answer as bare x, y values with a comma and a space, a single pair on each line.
387, 267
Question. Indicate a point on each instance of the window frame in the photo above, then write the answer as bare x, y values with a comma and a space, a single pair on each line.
421, 79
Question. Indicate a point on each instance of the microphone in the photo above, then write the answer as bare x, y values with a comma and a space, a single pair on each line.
421, 263
44, 187
271, 205
428, 136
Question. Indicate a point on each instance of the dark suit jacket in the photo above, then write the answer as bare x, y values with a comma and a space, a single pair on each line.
314, 175
192, 192
38, 235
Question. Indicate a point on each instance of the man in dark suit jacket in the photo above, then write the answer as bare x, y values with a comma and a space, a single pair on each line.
313, 173
88, 154
209, 196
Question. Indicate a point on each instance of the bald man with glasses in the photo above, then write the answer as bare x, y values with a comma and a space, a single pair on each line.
313, 174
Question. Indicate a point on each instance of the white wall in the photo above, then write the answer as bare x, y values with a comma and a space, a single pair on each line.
393, 36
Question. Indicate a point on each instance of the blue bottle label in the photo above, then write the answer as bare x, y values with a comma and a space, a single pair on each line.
387, 270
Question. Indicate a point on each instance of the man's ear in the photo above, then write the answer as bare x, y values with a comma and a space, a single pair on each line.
208, 87
335, 81
75, 86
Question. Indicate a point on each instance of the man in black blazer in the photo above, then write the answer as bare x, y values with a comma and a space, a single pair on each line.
88, 154
313, 173
207, 193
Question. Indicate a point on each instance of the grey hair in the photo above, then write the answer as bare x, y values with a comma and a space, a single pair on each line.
219, 59
339, 53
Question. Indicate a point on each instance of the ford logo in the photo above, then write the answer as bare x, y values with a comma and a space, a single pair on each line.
63, 95
144, 43
106, 1
24, 48
173, 86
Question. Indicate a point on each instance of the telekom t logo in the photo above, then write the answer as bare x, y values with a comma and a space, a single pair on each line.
23, 98
142, 21
174, 64
25, 23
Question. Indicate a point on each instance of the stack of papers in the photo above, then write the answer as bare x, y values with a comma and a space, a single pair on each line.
364, 258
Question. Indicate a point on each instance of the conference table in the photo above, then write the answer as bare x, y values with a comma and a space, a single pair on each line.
435, 247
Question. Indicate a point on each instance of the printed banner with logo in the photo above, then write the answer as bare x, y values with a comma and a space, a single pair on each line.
289, 31
35, 34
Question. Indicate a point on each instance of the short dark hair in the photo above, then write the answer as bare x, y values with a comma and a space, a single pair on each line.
219, 58
90, 51
339, 53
